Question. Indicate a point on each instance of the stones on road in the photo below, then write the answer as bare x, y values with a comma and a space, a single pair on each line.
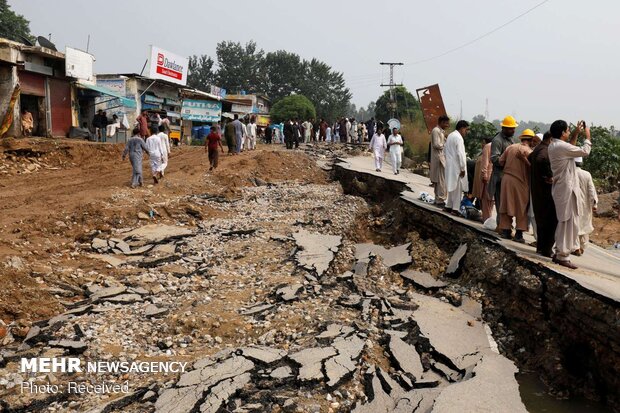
316, 251
391, 257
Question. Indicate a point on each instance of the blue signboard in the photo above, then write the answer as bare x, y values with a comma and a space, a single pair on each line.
201, 110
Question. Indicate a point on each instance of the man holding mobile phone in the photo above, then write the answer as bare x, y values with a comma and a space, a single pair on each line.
566, 192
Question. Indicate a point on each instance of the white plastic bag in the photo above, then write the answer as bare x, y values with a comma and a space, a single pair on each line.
490, 224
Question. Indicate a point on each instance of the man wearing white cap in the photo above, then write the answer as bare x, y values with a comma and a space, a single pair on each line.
589, 201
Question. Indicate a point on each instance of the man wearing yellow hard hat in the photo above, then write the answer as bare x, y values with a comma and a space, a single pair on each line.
500, 142
515, 193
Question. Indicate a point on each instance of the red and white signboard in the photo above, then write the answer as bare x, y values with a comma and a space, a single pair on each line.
168, 66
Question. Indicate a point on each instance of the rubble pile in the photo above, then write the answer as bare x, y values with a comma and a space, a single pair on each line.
275, 306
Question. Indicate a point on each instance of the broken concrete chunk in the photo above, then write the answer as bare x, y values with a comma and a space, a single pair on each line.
289, 292
311, 362
422, 279
74, 347
107, 292
391, 257
123, 299
99, 244
282, 373
212, 374
220, 393
263, 354
493, 388
454, 267
157, 234
142, 250
361, 267
152, 310
113, 261
316, 251
381, 401
256, 309
124, 247
406, 357
341, 365
449, 331
335, 330
347, 275
180, 400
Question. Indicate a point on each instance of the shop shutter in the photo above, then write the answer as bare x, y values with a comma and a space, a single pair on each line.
31, 83
60, 105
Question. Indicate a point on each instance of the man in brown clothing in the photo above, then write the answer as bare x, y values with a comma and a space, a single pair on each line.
515, 193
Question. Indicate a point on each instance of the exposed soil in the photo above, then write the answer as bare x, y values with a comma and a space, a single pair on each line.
56, 193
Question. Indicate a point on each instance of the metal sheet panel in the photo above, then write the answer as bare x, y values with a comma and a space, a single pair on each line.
31, 83
60, 106
432, 105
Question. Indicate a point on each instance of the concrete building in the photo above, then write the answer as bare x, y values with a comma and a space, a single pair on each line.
44, 90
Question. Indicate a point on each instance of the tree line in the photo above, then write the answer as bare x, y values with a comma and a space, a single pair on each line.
278, 74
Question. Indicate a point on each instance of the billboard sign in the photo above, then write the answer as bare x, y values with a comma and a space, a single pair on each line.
79, 65
201, 110
168, 66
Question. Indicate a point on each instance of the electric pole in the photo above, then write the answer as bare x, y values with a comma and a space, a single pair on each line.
391, 85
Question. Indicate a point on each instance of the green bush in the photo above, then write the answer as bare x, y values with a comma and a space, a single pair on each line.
292, 107
408, 150
604, 160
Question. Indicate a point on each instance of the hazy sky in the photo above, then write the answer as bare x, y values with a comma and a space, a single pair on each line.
559, 61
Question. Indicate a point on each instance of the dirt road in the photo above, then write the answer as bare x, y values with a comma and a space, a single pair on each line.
56, 193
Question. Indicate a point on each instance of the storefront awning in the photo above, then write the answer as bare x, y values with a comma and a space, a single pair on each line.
124, 101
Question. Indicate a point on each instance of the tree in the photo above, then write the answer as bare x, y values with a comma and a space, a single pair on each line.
200, 72
240, 67
292, 107
326, 89
478, 130
13, 26
284, 74
604, 160
407, 106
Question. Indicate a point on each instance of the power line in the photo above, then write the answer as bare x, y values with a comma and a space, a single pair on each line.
479, 37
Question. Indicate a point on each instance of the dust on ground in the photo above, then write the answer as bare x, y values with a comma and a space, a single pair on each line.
57, 194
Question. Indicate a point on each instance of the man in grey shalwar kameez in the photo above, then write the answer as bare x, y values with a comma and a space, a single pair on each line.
135, 147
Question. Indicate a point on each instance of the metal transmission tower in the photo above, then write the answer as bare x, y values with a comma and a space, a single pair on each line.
392, 104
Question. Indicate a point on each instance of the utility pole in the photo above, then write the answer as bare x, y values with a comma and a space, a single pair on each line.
486, 110
391, 85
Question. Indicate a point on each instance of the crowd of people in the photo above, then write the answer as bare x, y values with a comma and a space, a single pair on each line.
537, 180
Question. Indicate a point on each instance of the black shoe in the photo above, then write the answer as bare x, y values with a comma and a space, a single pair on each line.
519, 237
506, 234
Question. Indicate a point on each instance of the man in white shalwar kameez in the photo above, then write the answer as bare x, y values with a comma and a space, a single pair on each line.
566, 192
456, 167
165, 143
589, 202
395, 143
156, 153
378, 145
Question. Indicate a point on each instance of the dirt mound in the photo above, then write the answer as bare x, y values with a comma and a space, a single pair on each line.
270, 166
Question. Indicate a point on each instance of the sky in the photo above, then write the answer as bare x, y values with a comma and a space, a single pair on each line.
560, 61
